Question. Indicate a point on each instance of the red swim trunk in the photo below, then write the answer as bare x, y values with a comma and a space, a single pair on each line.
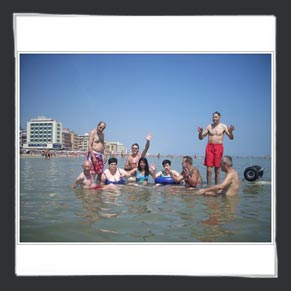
213, 155
99, 166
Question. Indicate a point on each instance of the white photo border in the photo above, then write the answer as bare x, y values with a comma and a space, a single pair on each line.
49, 33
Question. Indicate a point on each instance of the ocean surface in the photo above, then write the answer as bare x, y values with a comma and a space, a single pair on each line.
48, 210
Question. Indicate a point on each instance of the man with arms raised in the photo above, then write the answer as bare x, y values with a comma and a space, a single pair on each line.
214, 148
132, 160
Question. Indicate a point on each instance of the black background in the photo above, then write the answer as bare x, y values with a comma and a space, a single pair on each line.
279, 9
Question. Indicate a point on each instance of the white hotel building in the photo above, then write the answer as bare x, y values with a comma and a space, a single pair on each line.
43, 133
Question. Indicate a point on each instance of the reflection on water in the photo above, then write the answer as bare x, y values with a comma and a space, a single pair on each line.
220, 211
50, 211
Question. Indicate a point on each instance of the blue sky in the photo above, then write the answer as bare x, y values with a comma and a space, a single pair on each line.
167, 95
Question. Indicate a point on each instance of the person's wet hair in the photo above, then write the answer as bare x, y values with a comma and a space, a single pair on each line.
227, 160
166, 162
147, 168
188, 160
112, 160
135, 144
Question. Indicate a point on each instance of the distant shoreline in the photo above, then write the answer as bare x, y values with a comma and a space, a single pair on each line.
125, 156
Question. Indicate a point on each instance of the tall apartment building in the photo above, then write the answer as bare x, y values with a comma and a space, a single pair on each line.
83, 142
114, 147
74, 141
43, 133
22, 137
67, 144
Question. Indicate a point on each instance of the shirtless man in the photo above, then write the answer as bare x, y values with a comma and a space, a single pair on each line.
214, 148
189, 174
96, 149
230, 184
132, 160
87, 178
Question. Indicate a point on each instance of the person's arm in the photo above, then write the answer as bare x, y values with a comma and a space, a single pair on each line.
201, 133
103, 178
124, 173
104, 154
153, 171
216, 189
147, 145
77, 182
229, 130
133, 171
127, 166
175, 173
176, 178
158, 174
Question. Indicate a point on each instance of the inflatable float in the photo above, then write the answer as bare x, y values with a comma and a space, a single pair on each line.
165, 180
253, 173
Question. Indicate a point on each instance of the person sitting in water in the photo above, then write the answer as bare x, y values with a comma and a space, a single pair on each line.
88, 177
189, 174
231, 183
166, 172
143, 171
113, 175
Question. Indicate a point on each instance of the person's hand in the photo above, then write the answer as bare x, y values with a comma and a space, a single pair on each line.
200, 129
231, 128
200, 192
153, 167
148, 137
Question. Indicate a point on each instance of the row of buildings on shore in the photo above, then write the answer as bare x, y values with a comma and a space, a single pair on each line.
43, 133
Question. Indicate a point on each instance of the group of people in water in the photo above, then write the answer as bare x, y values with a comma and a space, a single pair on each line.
137, 169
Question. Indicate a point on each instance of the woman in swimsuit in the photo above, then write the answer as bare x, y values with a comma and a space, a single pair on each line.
143, 171
113, 175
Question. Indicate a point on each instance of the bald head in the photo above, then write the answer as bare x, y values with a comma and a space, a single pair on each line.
86, 164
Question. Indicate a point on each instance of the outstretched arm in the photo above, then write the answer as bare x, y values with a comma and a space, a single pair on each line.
216, 189
124, 173
229, 131
147, 145
176, 178
201, 133
77, 182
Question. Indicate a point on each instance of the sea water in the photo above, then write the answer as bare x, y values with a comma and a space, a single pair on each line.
49, 210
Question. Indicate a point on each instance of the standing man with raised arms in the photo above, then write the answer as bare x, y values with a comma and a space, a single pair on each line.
214, 148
